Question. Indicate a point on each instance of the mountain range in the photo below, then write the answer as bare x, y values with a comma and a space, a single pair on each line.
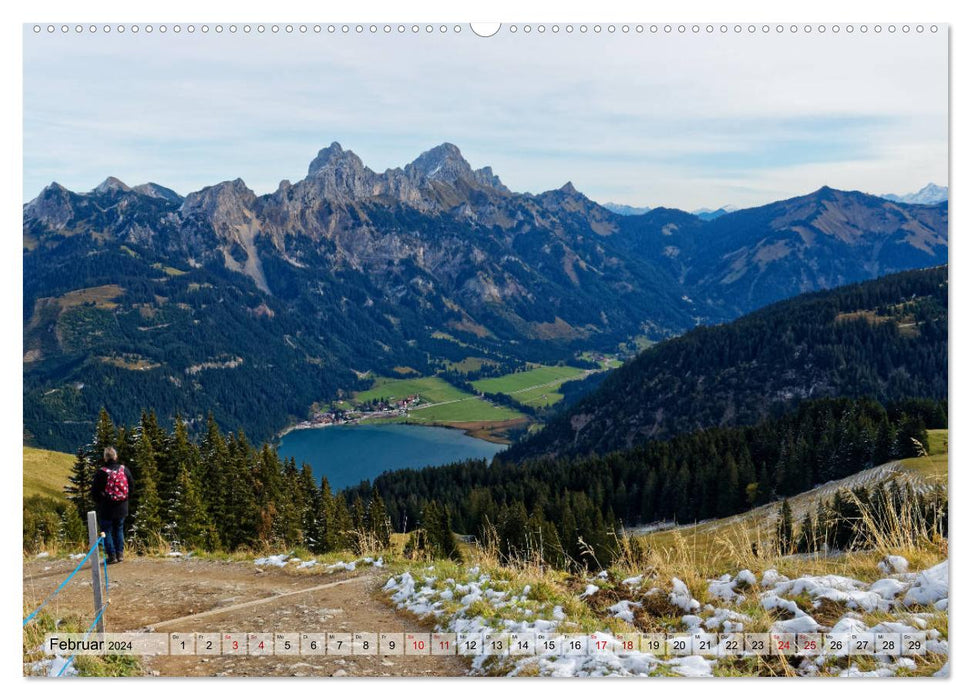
705, 214
254, 307
928, 194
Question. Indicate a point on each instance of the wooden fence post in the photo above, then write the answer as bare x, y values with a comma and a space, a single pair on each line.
93, 536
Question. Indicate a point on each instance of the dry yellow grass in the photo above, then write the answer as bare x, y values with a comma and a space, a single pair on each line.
713, 545
46, 472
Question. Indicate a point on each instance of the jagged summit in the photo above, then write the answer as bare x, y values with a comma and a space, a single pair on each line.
568, 188
111, 184
334, 156
444, 162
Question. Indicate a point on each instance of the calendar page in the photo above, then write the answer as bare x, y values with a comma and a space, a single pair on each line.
450, 349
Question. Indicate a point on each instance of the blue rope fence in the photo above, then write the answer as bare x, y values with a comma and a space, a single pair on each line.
66, 581
67, 664
98, 544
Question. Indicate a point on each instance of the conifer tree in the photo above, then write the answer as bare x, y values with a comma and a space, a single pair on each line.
378, 522
147, 520
105, 435
78, 489
190, 523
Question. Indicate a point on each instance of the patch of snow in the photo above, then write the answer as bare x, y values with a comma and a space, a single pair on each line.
681, 596
724, 589
725, 620
802, 624
745, 578
892, 564
839, 589
273, 560
692, 623
624, 610
771, 601
693, 666
42, 555
848, 624
929, 587
589, 591
771, 578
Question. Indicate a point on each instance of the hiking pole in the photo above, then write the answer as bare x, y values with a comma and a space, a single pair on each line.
93, 537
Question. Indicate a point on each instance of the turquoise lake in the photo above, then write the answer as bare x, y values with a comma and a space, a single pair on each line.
348, 454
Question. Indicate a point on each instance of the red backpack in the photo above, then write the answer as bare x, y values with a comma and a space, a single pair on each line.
116, 486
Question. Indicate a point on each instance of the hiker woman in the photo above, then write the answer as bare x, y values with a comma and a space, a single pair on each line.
110, 490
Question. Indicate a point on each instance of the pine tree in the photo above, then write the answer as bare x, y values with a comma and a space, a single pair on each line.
78, 489
268, 491
310, 523
147, 521
340, 526
190, 522
239, 523
215, 471
806, 542
105, 435
325, 518
378, 522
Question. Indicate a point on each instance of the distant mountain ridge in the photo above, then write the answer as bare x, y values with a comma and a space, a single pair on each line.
928, 194
350, 270
625, 209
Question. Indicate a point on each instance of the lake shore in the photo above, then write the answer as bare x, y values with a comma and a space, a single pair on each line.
491, 431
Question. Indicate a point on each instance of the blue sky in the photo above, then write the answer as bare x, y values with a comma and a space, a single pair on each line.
660, 120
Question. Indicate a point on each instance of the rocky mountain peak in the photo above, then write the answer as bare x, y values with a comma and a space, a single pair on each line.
334, 157
111, 184
51, 206
152, 189
218, 200
568, 188
340, 174
443, 163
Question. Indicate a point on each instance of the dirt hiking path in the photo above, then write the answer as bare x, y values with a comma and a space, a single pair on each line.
240, 597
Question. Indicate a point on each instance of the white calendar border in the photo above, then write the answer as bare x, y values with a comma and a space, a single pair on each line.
385, 10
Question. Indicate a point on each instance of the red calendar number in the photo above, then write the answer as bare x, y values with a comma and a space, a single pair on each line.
628, 645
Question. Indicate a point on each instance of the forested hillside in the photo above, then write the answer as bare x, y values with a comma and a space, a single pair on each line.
886, 339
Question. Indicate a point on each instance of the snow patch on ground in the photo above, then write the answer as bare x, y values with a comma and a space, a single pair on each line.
624, 610
509, 609
681, 596
892, 564
273, 560
930, 586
